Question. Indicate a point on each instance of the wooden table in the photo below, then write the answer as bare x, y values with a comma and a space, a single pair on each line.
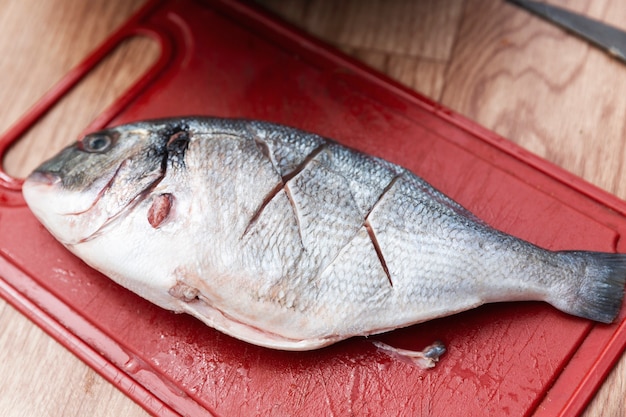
509, 71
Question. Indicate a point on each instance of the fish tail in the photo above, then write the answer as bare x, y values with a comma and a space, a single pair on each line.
599, 290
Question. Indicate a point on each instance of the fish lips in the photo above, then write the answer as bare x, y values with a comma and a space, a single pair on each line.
45, 190
58, 207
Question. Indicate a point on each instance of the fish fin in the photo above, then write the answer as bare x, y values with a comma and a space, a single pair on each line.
599, 293
424, 359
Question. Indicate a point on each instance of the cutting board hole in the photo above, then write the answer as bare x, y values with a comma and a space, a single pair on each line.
70, 116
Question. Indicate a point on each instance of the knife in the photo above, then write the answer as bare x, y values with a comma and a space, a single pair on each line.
609, 38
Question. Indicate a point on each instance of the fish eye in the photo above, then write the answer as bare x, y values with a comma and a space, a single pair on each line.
96, 143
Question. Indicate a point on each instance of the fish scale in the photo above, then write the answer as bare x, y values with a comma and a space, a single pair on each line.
358, 296
289, 240
399, 224
326, 221
367, 177
288, 147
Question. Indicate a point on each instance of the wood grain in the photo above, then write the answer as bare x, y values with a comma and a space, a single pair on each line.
509, 71
542, 88
412, 41
39, 43
414, 28
422, 74
42, 378
114, 75
42, 41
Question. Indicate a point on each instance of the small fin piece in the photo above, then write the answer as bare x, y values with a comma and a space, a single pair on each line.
599, 292
425, 359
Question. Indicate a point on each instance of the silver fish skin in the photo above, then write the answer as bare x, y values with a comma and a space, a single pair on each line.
291, 241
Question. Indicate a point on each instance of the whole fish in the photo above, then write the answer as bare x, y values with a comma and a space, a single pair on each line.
289, 240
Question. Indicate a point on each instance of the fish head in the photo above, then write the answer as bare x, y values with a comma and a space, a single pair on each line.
90, 183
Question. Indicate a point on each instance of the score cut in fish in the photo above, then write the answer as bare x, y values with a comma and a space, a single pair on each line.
289, 240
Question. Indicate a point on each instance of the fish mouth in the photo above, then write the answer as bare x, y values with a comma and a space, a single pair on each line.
42, 178
47, 183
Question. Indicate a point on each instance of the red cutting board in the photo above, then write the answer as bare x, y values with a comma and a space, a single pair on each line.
223, 58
